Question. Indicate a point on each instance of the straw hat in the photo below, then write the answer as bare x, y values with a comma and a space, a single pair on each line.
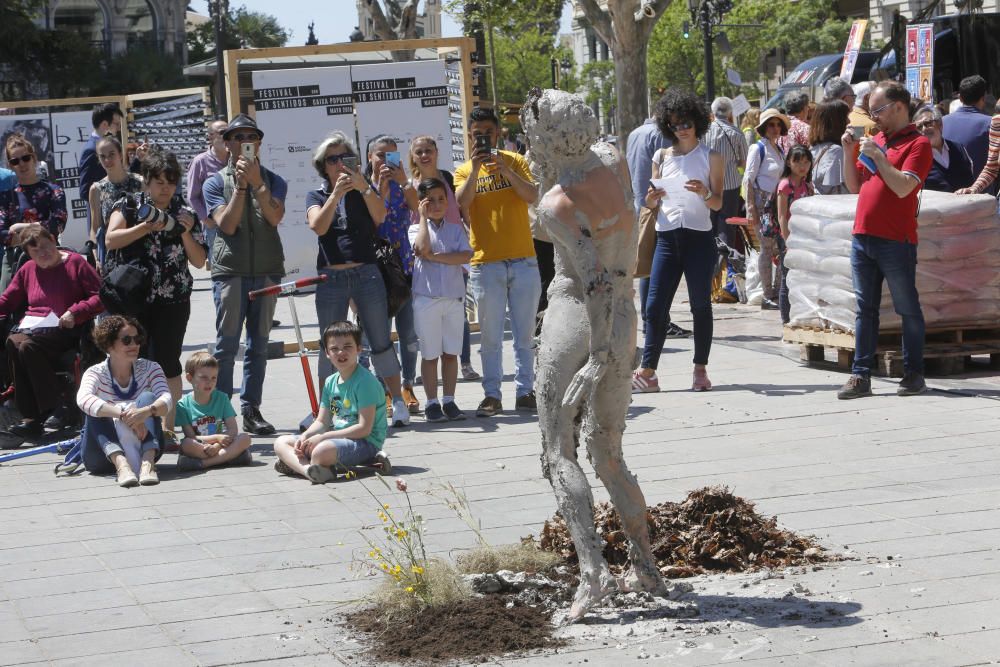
768, 115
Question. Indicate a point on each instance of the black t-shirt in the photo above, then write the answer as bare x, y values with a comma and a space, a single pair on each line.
351, 236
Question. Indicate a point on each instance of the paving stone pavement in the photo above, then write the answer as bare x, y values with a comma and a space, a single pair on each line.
241, 566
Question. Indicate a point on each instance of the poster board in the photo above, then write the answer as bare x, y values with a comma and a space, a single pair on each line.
403, 100
852, 49
296, 109
920, 61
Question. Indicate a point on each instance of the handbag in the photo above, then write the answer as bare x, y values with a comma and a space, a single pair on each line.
397, 284
126, 277
647, 242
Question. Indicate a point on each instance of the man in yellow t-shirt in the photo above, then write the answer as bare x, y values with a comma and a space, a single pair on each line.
496, 188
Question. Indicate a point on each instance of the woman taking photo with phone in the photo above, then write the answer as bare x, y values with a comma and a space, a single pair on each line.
685, 241
385, 170
345, 214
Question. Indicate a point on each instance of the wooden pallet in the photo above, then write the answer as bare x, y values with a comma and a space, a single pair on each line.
947, 351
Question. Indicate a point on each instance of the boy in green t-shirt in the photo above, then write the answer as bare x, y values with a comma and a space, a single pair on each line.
211, 436
351, 426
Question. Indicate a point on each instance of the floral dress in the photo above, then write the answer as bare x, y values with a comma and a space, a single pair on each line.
171, 278
396, 227
112, 192
42, 202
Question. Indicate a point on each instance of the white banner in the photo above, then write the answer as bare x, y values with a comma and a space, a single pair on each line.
58, 139
296, 109
403, 100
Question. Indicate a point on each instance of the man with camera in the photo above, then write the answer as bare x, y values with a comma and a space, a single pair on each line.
496, 187
247, 202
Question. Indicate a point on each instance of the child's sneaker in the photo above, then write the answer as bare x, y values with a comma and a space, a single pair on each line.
469, 373
382, 460
283, 468
320, 474
433, 413
188, 463
644, 385
452, 412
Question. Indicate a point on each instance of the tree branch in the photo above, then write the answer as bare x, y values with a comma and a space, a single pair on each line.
407, 27
379, 22
599, 20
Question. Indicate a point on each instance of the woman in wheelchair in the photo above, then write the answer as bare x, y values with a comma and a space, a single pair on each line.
31, 201
122, 398
58, 292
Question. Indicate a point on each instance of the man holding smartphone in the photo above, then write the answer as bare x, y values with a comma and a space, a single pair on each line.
247, 202
496, 187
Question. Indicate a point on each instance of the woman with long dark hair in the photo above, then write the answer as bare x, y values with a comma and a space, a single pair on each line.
109, 190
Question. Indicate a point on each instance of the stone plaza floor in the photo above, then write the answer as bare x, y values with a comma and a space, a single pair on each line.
243, 566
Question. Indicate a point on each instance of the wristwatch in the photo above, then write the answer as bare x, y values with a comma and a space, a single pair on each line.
708, 195
367, 192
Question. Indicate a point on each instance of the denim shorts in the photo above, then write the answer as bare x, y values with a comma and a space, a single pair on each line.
354, 452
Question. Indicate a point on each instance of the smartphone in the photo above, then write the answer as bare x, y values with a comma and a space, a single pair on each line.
858, 132
392, 158
247, 151
483, 142
350, 161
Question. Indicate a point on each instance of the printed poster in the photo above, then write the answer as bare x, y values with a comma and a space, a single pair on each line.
404, 100
852, 49
58, 138
920, 61
296, 109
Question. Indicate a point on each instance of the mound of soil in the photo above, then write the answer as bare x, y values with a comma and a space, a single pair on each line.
471, 630
711, 531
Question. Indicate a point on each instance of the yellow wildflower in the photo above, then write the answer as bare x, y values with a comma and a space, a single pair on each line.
417, 569
409, 589
385, 506
401, 533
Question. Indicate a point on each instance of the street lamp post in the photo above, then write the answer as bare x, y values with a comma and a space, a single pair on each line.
221, 6
708, 14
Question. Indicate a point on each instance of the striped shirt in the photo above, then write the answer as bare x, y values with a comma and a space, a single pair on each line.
725, 139
97, 388
992, 168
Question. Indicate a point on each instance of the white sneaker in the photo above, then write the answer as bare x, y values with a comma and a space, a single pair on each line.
400, 415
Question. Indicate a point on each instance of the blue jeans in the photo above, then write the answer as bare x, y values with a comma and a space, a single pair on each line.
233, 309
872, 260
497, 286
364, 285
352, 452
100, 439
409, 345
688, 253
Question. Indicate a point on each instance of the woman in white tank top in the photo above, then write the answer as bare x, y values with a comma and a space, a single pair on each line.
689, 181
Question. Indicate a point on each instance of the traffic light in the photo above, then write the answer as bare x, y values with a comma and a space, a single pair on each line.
686, 29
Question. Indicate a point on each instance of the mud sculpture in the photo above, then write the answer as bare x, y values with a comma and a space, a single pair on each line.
587, 346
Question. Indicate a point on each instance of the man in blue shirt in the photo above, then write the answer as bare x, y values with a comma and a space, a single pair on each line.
968, 126
643, 142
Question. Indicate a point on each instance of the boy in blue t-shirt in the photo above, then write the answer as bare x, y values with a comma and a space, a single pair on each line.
211, 437
351, 426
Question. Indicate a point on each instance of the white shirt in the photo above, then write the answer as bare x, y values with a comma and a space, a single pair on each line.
690, 214
764, 175
942, 157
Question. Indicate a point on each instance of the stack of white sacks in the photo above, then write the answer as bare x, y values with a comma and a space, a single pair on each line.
958, 263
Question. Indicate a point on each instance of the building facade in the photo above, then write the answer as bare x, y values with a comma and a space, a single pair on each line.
428, 23
115, 25
880, 11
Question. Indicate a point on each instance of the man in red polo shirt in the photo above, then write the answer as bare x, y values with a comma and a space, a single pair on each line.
885, 235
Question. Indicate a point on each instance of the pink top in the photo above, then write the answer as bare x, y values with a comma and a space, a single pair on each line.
453, 214
71, 285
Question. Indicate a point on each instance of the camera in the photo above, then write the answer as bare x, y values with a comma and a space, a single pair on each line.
154, 216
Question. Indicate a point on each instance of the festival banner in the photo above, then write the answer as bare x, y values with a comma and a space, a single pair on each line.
296, 109
404, 100
852, 49
920, 61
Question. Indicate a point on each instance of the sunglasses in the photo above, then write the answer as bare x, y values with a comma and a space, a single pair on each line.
24, 158
245, 137
774, 123
674, 127
334, 159
138, 339
925, 125
874, 113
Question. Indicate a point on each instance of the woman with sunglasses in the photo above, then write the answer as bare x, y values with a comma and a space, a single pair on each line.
765, 162
32, 201
685, 240
107, 191
122, 398
345, 214
54, 284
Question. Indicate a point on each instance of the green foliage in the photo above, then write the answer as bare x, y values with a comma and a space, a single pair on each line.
141, 69
804, 28
543, 15
524, 60
598, 79
242, 28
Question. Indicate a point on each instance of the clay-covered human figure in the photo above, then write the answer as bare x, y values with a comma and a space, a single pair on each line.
587, 345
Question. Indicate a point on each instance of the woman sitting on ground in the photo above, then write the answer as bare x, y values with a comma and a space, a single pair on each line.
121, 398
32, 201
55, 284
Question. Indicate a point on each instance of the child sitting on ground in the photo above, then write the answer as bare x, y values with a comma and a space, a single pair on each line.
211, 437
440, 249
352, 404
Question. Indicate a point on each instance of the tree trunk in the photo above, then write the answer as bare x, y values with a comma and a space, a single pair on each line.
633, 97
493, 67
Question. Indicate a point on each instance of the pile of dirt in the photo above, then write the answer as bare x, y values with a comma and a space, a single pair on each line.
471, 630
711, 531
